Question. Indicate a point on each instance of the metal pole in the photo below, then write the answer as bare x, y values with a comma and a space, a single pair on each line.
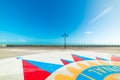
65, 42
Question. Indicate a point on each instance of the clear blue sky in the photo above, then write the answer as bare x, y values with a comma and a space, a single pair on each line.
44, 21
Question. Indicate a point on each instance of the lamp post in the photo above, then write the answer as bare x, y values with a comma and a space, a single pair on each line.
65, 36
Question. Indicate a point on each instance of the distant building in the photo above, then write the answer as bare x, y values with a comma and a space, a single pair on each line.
3, 45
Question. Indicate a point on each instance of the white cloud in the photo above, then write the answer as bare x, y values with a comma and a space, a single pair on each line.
23, 40
3, 40
88, 32
101, 14
20, 40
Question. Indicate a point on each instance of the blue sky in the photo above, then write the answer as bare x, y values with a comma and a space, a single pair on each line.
44, 21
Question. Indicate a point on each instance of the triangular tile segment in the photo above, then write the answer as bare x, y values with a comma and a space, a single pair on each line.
76, 58
32, 72
115, 58
80, 58
49, 67
98, 58
65, 62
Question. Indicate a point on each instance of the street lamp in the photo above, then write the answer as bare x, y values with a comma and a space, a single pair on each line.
65, 36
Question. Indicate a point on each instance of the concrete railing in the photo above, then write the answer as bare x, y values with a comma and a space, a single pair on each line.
32, 45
